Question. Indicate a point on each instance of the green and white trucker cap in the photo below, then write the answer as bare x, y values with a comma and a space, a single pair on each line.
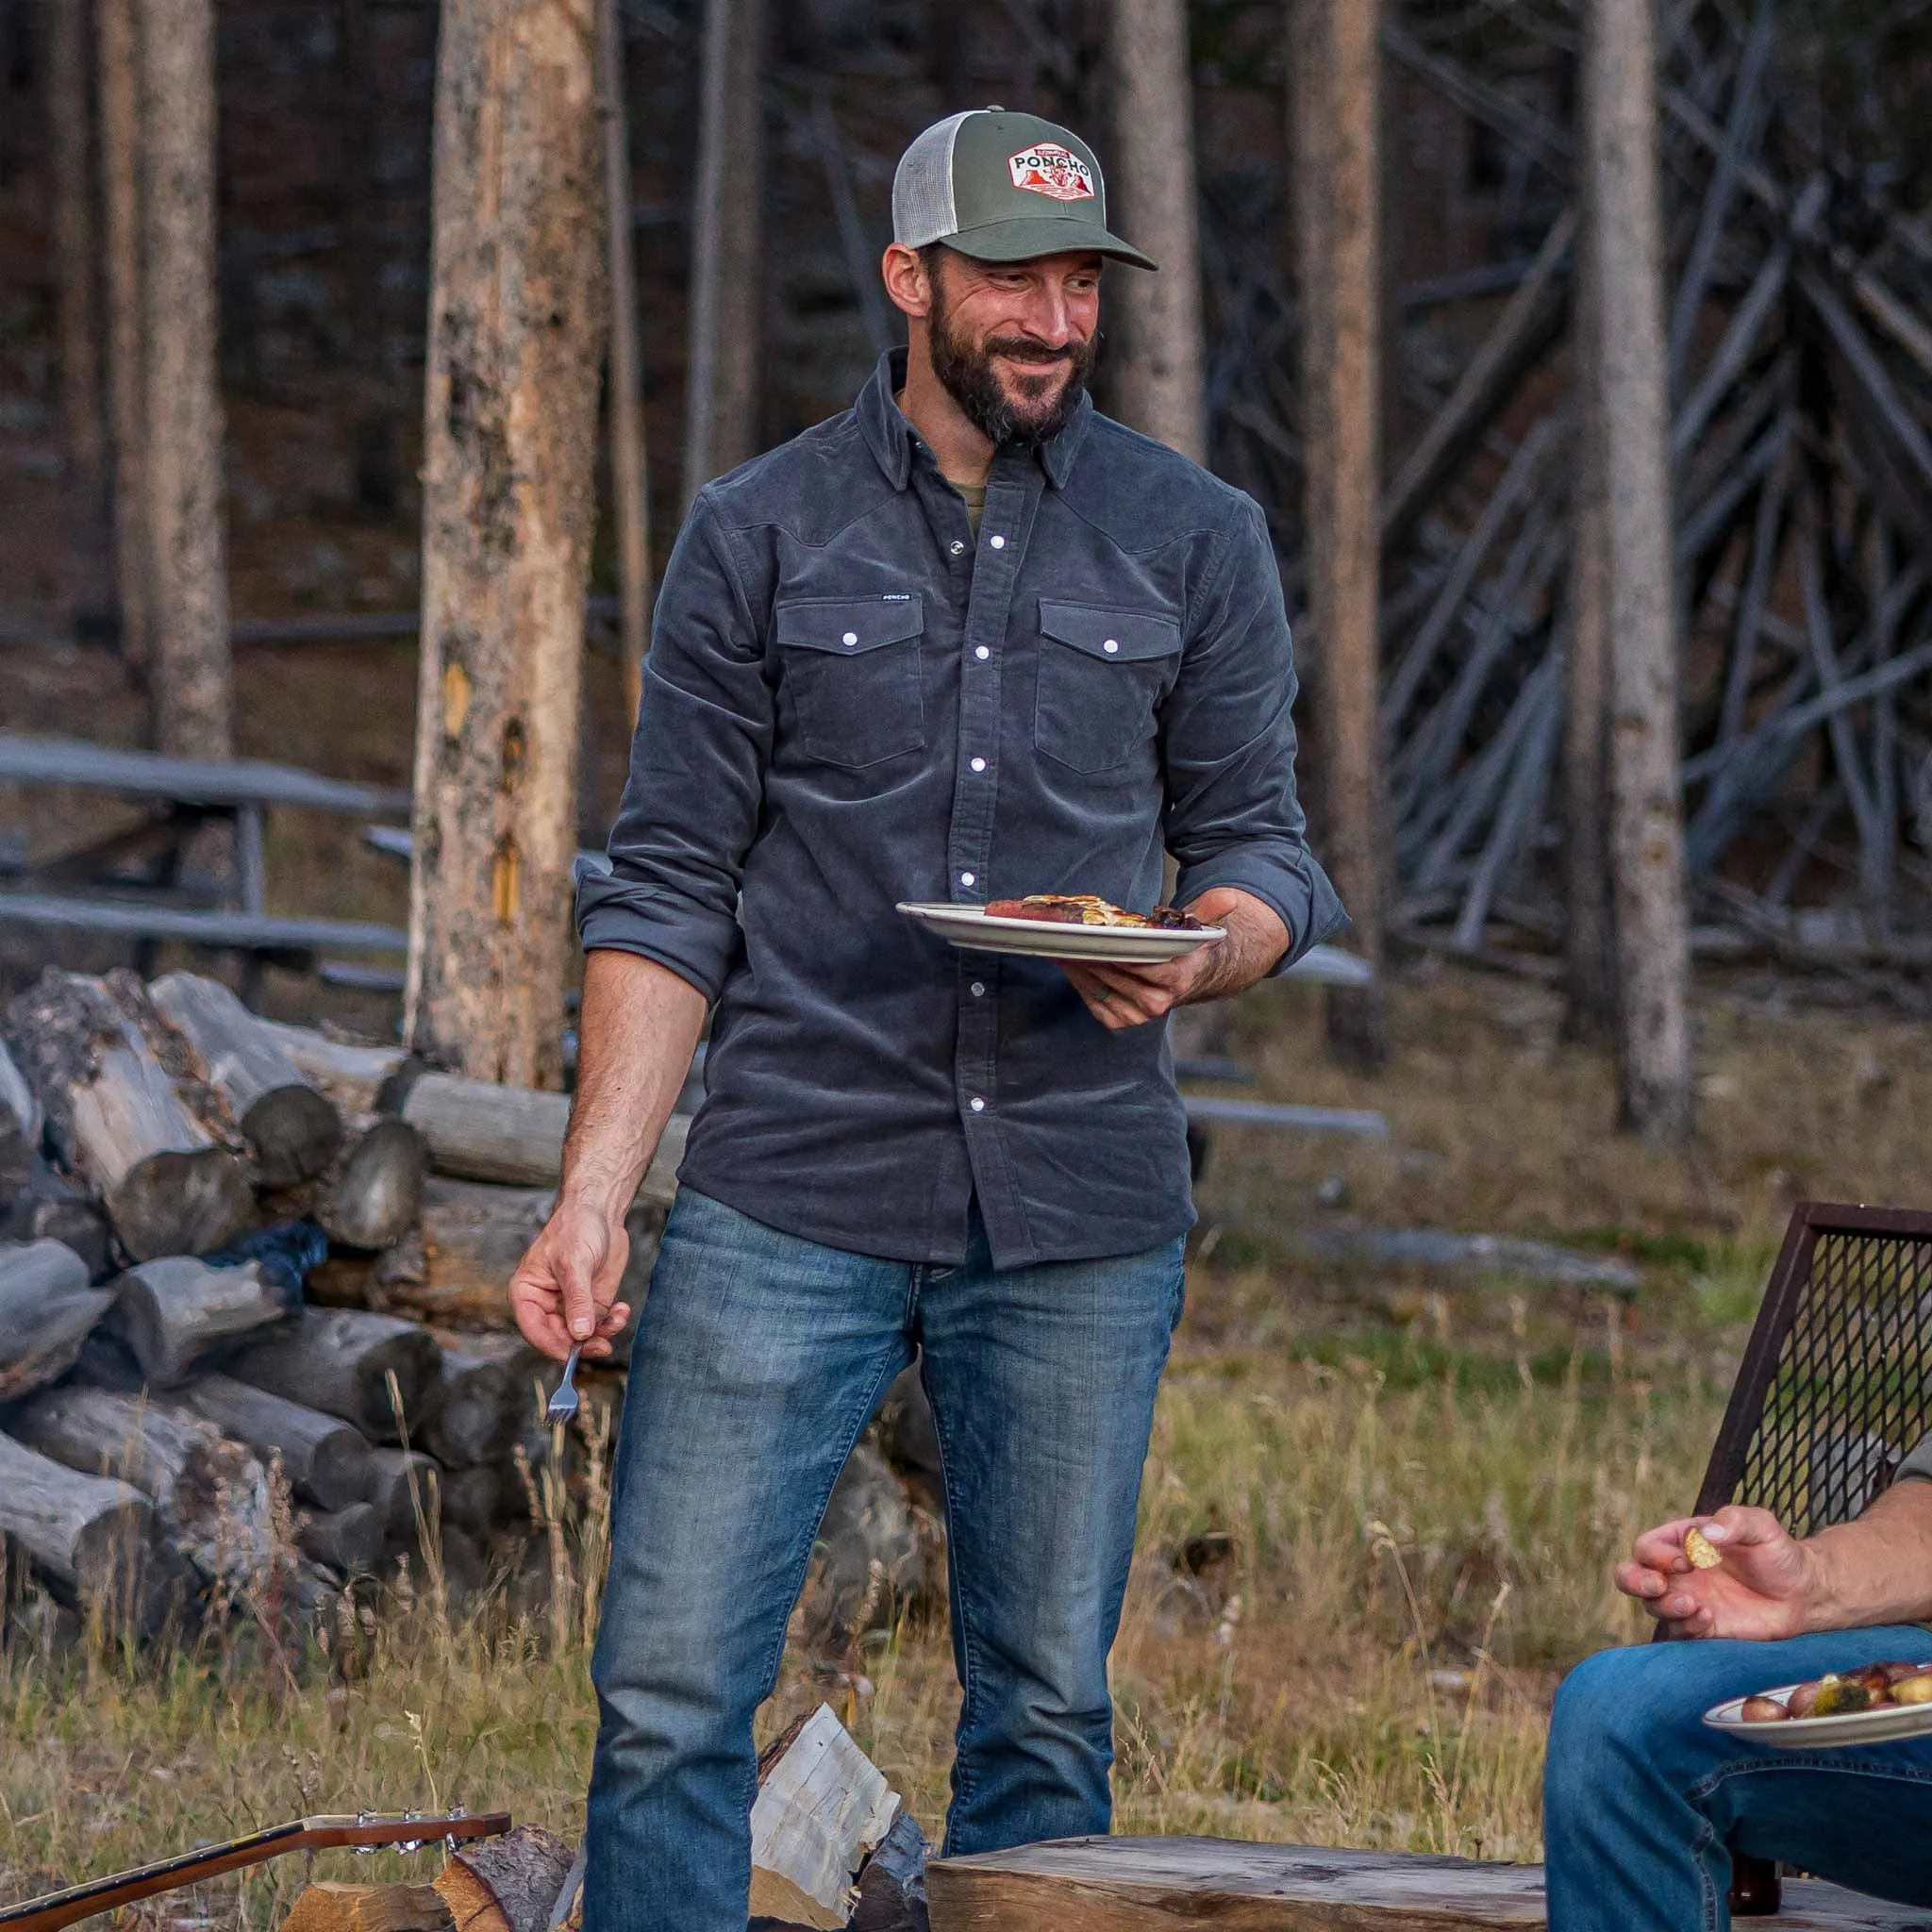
1003, 187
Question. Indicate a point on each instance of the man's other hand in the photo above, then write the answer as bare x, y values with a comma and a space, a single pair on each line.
564, 1291
1124, 996
1760, 1590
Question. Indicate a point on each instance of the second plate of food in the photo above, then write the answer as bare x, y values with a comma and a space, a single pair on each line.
1875, 1715
977, 930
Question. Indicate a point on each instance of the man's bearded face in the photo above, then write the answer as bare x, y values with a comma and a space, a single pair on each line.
1029, 404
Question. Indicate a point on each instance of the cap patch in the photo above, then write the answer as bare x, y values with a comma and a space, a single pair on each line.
1050, 169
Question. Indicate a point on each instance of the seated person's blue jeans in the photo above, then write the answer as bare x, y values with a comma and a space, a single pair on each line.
758, 1361
1645, 1804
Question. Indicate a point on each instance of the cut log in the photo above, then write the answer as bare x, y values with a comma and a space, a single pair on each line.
869, 1557
821, 1809
327, 1463
178, 1314
473, 1499
48, 1207
472, 1236
292, 1128
90, 1534
408, 1493
47, 1312
372, 1190
350, 1073
482, 1132
342, 1360
115, 1121
330, 1907
20, 1125
351, 1542
210, 1494
507, 1884
472, 1415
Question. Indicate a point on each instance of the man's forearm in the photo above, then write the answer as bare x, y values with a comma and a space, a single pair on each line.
1877, 1570
636, 1034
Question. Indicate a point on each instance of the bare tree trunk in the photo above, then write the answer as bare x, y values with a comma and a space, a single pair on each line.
376, 422
727, 248
1158, 354
118, 37
1628, 390
516, 334
631, 505
1335, 132
192, 687
77, 259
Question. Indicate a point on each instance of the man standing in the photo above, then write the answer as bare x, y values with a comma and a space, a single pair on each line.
968, 640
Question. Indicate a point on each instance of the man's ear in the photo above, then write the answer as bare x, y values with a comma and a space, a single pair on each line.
902, 270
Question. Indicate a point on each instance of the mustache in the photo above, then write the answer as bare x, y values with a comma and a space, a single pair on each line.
1036, 352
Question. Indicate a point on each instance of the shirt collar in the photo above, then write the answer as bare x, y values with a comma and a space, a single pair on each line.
892, 441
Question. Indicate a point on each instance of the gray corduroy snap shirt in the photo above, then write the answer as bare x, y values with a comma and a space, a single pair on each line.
851, 701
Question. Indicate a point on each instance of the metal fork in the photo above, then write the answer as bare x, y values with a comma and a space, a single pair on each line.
563, 1404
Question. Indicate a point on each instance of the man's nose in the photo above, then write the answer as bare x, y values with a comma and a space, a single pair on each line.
1049, 320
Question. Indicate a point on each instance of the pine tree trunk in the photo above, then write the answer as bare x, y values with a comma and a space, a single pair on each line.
727, 247
1628, 390
117, 28
630, 505
1335, 131
516, 335
193, 697
77, 263
1159, 356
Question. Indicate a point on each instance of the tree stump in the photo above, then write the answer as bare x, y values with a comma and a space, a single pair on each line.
341, 1360
507, 1884
290, 1127
115, 1119
176, 1313
325, 1906
47, 1312
328, 1462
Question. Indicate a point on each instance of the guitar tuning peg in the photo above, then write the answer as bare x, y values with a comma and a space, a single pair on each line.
365, 1817
449, 1843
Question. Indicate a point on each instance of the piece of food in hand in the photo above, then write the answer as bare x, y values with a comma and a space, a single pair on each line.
1838, 1695
1803, 1702
1763, 1711
1084, 908
1699, 1550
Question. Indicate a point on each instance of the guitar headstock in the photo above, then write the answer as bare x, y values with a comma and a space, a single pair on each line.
406, 1830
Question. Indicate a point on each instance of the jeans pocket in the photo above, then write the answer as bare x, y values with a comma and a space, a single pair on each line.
850, 676
1102, 674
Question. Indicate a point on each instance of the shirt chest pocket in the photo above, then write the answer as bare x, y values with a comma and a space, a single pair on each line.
850, 667
1102, 674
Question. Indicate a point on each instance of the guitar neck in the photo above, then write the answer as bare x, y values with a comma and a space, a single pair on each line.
95, 1895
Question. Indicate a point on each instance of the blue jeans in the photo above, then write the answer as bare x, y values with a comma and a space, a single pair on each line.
759, 1360
1645, 1804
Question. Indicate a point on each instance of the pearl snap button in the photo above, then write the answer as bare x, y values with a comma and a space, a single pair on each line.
852, 638
1111, 645
980, 989
999, 543
966, 878
958, 548
980, 651
979, 764
978, 1105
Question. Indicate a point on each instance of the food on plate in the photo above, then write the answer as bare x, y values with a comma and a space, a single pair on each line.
1876, 1687
1084, 908
1700, 1550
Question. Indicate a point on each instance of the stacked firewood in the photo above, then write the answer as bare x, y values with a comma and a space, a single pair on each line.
254, 1338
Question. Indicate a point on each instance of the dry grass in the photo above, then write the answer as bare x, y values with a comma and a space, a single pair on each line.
1397, 1557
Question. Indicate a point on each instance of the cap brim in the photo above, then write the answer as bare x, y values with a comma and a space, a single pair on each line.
1022, 238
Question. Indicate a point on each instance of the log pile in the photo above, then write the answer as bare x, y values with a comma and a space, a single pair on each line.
254, 1339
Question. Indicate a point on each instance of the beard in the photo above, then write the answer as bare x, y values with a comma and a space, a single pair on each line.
1034, 408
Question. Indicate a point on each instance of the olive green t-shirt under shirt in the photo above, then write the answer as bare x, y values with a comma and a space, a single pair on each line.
974, 494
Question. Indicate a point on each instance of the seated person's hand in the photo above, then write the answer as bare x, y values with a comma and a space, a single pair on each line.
1760, 1591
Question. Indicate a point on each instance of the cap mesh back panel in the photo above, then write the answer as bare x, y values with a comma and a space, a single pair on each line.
1852, 1390
922, 206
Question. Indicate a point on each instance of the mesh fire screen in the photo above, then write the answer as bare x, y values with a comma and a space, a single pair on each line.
1836, 1385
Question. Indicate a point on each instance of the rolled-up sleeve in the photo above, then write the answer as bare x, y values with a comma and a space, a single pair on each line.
1229, 741
697, 765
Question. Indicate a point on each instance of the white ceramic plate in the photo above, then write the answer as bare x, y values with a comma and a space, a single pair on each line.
1878, 1726
1123, 945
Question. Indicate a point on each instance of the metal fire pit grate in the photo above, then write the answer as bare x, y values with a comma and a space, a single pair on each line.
1836, 1385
